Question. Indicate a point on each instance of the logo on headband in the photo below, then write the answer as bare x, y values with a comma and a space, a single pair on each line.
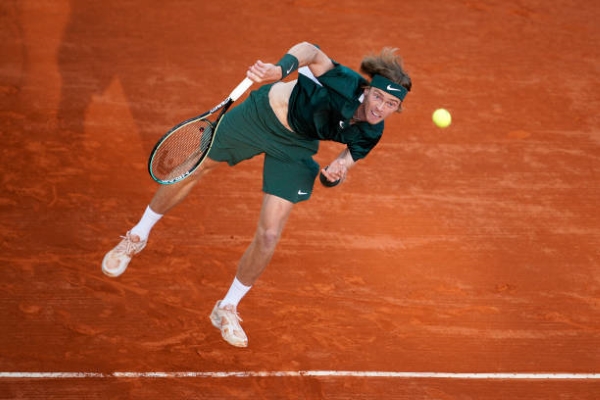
393, 88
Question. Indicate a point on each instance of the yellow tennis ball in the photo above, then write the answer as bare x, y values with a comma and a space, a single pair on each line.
441, 117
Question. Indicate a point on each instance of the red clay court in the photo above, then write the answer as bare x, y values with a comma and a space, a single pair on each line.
453, 264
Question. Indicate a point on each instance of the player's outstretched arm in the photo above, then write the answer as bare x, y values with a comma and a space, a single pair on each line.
300, 55
311, 56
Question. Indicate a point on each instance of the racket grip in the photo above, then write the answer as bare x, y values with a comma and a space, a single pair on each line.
240, 89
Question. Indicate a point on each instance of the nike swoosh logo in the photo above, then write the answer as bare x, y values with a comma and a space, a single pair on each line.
342, 124
301, 193
291, 69
389, 87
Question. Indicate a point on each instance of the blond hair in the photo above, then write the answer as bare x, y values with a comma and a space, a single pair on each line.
386, 64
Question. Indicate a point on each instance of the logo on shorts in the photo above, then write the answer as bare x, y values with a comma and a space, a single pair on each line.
302, 193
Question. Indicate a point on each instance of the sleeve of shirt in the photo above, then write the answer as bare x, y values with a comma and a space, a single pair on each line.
361, 139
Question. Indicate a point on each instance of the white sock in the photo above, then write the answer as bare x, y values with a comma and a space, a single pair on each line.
143, 228
235, 294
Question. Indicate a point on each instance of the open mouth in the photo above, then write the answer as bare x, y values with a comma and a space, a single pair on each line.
375, 114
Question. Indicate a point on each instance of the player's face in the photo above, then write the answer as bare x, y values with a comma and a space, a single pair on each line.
378, 105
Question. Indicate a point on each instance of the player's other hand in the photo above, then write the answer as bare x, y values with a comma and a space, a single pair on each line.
336, 171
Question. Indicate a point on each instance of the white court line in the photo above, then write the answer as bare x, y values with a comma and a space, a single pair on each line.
285, 374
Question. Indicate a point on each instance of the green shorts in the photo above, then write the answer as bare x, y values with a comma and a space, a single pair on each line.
252, 128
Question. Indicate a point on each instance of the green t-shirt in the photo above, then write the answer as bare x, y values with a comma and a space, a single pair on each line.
324, 111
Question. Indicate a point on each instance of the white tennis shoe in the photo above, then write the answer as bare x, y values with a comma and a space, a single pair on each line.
228, 321
115, 262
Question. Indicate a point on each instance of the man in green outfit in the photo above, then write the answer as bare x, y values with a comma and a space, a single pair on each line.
284, 121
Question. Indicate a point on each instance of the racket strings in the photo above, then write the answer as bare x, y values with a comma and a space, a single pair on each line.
182, 150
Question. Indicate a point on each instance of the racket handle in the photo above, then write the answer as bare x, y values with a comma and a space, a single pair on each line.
241, 89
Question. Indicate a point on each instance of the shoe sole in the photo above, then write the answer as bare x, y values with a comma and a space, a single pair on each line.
215, 320
108, 273
111, 274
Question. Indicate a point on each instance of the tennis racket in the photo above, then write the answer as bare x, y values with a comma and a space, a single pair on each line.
182, 149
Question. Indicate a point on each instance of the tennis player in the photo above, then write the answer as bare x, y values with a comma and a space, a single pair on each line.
284, 120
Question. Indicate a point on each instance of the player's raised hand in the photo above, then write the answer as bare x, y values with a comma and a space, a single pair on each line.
261, 72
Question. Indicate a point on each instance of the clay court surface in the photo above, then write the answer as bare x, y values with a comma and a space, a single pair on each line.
471, 250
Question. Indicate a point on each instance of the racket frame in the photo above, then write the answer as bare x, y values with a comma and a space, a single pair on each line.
239, 90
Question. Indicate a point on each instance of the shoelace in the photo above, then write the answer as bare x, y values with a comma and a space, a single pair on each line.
128, 245
231, 310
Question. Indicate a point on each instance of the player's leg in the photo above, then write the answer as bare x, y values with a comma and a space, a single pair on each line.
168, 196
285, 183
115, 262
274, 214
